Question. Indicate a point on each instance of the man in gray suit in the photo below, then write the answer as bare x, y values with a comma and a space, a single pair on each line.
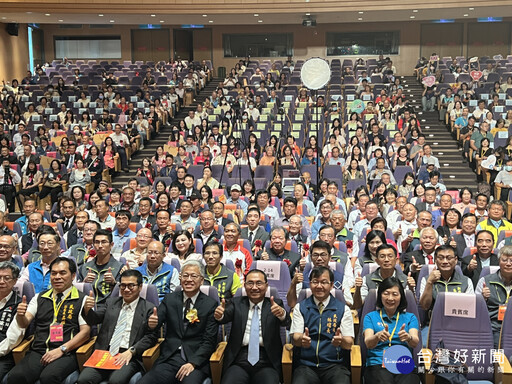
124, 331
253, 231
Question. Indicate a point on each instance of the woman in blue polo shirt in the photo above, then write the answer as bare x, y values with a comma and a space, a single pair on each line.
390, 325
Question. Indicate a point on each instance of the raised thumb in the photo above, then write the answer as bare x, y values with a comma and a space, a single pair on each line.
109, 270
484, 285
358, 274
474, 257
24, 299
223, 303
91, 294
154, 311
413, 260
403, 327
272, 300
386, 328
338, 332
409, 274
306, 331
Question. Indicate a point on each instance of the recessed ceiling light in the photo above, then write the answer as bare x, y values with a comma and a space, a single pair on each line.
153, 15
61, 20
260, 21
466, 15
360, 12
28, 13
210, 21
112, 21
360, 19
47, 14
471, 9
412, 17
100, 15
308, 14
415, 10
256, 14
3, 18
205, 15
162, 21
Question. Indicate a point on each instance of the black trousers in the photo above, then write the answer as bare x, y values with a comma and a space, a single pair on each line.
120, 376
242, 372
53, 192
165, 372
6, 364
9, 191
124, 158
375, 374
333, 374
28, 191
29, 370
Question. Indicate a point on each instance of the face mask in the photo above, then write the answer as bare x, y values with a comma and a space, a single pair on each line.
334, 108
4, 92
409, 181
507, 168
50, 89
101, 97
228, 116
76, 131
164, 97
251, 106
245, 117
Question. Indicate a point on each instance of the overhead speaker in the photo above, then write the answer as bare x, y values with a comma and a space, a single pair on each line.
12, 29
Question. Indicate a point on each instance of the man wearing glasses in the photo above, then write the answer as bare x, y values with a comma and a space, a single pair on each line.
443, 278
322, 327
154, 271
495, 289
10, 333
38, 272
253, 352
7, 248
124, 332
135, 257
190, 329
320, 253
103, 271
82, 252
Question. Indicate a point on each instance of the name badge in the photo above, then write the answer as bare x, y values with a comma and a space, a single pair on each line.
56, 333
501, 312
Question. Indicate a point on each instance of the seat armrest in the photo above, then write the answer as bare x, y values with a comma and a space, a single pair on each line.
356, 364
84, 352
150, 355
429, 377
22, 348
286, 361
216, 360
502, 370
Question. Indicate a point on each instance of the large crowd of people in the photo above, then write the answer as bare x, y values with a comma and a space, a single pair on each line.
304, 258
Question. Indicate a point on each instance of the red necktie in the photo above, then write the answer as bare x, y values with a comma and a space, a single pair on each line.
430, 259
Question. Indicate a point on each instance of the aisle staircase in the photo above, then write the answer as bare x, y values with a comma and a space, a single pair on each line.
149, 150
455, 173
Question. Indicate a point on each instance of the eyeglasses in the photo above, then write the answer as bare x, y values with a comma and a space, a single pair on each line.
258, 284
506, 261
192, 276
6, 246
323, 255
48, 244
316, 282
6, 278
447, 258
130, 286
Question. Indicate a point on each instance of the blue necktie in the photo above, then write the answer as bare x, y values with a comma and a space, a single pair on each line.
253, 353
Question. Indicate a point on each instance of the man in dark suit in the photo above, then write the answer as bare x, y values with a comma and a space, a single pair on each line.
144, 216
35, 220
191, 331
253, 352
430, 200
124, 332
218, 211
306, 178
3, 228
472, 265
467, 237
253, 231
77, 231
71, 157
278, 239
26, 157
67, 219
413, 261
170, 168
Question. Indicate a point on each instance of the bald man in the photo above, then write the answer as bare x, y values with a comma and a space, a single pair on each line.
7, 249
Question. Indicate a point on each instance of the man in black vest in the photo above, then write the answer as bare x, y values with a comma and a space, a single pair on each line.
59, 328
253, 353
10, 333
124, 332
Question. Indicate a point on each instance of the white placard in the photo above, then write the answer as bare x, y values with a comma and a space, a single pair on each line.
460, 305
494, 269
271, 268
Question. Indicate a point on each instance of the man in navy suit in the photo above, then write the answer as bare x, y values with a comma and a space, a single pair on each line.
191, 331
253, 353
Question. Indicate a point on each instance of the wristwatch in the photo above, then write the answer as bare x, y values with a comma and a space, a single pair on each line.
64, 349
132, 350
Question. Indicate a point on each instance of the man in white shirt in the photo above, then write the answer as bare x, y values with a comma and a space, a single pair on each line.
263, 201
192, 120
404, 228
121, 141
